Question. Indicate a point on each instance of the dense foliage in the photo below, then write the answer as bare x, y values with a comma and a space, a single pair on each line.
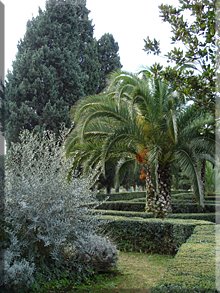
50, 230
108, 57
193, 57
142, 119
58, 61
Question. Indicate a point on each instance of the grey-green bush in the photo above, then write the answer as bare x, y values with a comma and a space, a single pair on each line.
47, 218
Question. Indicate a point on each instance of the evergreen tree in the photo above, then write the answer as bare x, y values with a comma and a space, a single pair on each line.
193, 57
57, 63
108, 57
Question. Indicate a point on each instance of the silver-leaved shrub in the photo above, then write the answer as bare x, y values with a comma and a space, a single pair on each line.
50, 227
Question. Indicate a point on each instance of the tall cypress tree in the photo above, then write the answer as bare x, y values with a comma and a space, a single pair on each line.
57, 63
108, 57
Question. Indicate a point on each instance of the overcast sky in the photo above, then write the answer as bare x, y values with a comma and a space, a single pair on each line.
129, 21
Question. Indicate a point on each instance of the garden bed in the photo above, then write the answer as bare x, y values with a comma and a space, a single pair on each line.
149, 235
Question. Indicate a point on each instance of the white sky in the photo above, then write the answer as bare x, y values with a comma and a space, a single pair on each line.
129, 22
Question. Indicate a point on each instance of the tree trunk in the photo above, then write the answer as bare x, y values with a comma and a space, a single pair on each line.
117, 189
150, 191
203, 170
163, 194
158, 200
108, 189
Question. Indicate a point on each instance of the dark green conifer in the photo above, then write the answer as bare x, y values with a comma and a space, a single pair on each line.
56, 64
108, 57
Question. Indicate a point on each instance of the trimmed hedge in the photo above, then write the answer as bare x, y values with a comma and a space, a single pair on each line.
181, 191
212, 200
122, 206
213, 194
181, 194
193, 268
141, 199
140, 207
177, 196
121, 196
210, 217
149, 235
125, 214
192, 208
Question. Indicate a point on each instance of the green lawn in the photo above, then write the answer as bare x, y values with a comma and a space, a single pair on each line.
135, 270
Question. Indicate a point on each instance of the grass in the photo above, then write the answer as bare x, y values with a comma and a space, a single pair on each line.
135, 270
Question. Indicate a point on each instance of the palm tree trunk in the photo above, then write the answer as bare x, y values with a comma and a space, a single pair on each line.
203, 170
108, 189
117, 189
150, 191
163, 194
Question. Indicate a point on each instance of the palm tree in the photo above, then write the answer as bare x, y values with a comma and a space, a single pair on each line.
140, 118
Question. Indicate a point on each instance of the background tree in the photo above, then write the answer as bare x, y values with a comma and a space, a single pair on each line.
108, 57
56, 64
130, 174
192, 60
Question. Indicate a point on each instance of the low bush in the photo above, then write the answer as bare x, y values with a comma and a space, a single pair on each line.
191, 208
122, 206
212, 203
149, 235
125, 196
50, 230
182, 195
141, 199
140, 207
181, 191
125, 213
210, 217
213, 194
121, 196
193, 268
177, 197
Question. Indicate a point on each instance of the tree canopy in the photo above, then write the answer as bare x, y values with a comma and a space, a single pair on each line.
108, 57
193, 57
58, 62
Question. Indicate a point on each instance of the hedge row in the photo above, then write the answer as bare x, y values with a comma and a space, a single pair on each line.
149, 235
182, 195
136, 196
121, 196
140, 207
140, 194
128, 214
141, 199
210, 217
213, 194
192, 208
122, 206
193, 268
